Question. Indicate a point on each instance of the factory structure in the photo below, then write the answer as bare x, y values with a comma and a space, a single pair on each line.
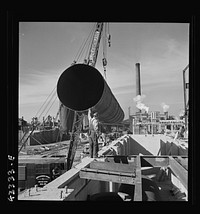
150, 122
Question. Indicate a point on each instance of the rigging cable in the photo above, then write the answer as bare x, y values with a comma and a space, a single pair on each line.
104, 60
51, 105
80, 51
47, 104
45, 101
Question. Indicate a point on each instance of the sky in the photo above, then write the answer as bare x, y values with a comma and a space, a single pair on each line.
46, 49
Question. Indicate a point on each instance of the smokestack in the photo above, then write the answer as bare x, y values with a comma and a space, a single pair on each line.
166, 114
138, 86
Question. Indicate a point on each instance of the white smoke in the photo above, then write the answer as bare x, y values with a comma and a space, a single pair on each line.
182, 113
142, 106
165, 107
138, 99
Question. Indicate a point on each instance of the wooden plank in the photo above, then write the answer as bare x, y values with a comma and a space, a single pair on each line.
126, 159
54, 194
102, 171
111, 166
180, 172
106, 177
154, 161
138, 181
183, 161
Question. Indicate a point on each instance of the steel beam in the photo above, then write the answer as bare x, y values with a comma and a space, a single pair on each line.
180, 172
138, 181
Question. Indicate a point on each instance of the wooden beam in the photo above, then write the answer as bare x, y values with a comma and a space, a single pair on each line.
111, 166
104, 175
183, 161
138, 181
117, 159
180, 172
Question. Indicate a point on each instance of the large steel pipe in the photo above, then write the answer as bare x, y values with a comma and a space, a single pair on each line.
81, 87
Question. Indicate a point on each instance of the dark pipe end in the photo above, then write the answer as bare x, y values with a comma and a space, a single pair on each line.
80, 87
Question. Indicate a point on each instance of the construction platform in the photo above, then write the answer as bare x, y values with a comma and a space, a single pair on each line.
137, 161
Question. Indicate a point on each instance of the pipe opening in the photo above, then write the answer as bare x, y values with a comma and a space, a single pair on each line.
80, 87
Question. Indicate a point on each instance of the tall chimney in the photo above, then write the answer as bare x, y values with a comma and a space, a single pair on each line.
138, 86
166, 114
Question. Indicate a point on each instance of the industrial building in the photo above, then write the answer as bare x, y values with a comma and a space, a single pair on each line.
152, 123
149, 122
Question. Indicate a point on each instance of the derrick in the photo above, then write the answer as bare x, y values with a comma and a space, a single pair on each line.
81, 87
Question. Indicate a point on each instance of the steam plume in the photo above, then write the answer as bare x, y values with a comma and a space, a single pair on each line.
165, 107
138, 99
182, 113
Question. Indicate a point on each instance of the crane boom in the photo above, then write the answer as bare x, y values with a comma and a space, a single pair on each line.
92, 56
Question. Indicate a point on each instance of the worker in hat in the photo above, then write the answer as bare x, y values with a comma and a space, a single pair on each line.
94, 133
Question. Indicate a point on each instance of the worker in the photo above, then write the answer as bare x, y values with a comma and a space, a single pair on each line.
93, 133
181, 132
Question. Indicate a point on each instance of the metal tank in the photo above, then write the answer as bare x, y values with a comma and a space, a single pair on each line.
81, 87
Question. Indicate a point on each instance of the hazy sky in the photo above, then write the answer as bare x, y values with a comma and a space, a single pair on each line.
46, 49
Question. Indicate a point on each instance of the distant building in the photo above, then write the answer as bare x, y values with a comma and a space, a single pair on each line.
152, 122
23, 130
22, 124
